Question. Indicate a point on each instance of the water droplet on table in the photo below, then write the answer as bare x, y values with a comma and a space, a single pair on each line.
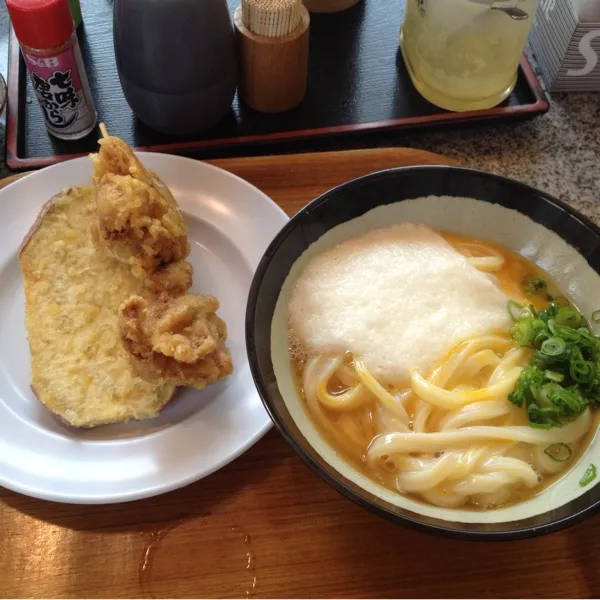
214, 553
250, 560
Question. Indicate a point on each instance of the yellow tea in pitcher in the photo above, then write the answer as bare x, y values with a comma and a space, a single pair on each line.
464, 54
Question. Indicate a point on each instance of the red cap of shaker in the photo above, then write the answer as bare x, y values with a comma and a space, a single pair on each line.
41, 23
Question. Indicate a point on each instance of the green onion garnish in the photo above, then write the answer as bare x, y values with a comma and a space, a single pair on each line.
554, 376
588, 476
581, 370
559, 452
533, 285
523, 333
569, 317
553, 346
563, 378
515, 310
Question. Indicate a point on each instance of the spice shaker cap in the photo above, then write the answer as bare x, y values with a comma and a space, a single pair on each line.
41, 23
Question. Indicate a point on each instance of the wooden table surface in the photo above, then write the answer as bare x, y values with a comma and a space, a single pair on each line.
265, 525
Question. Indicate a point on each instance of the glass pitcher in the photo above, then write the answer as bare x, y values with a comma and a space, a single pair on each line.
464, 54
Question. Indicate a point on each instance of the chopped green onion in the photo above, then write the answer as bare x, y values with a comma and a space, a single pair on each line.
553, 346
588, 476
554, 376
559, 452
539, 284
596, 316
548, 425
568, 401
532, 285
563, 377
580, 370
523, 333
540, 338
569, 317
515, 310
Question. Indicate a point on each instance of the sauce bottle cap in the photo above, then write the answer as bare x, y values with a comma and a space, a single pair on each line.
41, 23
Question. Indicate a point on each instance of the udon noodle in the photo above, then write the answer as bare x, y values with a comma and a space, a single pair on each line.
450, 437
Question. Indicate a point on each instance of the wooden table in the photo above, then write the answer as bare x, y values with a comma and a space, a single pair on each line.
266, 526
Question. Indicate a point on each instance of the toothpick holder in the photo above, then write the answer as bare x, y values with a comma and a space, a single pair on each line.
273, 67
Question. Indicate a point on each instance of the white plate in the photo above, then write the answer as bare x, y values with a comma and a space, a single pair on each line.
231, 223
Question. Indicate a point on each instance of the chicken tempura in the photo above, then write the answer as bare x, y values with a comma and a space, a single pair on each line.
171, 335
180, 340
138, 218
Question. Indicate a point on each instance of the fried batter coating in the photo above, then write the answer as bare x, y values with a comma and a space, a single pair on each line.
171, 280
171, 335
178, 340
138, 218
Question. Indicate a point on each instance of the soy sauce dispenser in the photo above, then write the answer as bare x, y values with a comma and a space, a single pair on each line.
176, 62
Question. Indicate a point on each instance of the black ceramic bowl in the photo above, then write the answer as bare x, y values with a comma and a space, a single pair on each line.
481, 205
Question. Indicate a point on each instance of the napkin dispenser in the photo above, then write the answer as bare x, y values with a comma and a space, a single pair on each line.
565, 39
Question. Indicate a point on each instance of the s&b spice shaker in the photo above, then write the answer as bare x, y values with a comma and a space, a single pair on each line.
49, 45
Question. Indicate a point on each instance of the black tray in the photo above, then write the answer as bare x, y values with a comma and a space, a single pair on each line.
357, 82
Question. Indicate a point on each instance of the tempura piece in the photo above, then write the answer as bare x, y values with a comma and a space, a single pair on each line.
171, 280
170, 335
138, 218
79, 368
178, 340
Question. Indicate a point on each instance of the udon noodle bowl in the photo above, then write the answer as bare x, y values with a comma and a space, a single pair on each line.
420, 358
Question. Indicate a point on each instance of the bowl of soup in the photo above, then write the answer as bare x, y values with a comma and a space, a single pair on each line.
425, 338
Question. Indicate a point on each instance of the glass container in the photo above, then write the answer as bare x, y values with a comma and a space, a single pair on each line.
464, 55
